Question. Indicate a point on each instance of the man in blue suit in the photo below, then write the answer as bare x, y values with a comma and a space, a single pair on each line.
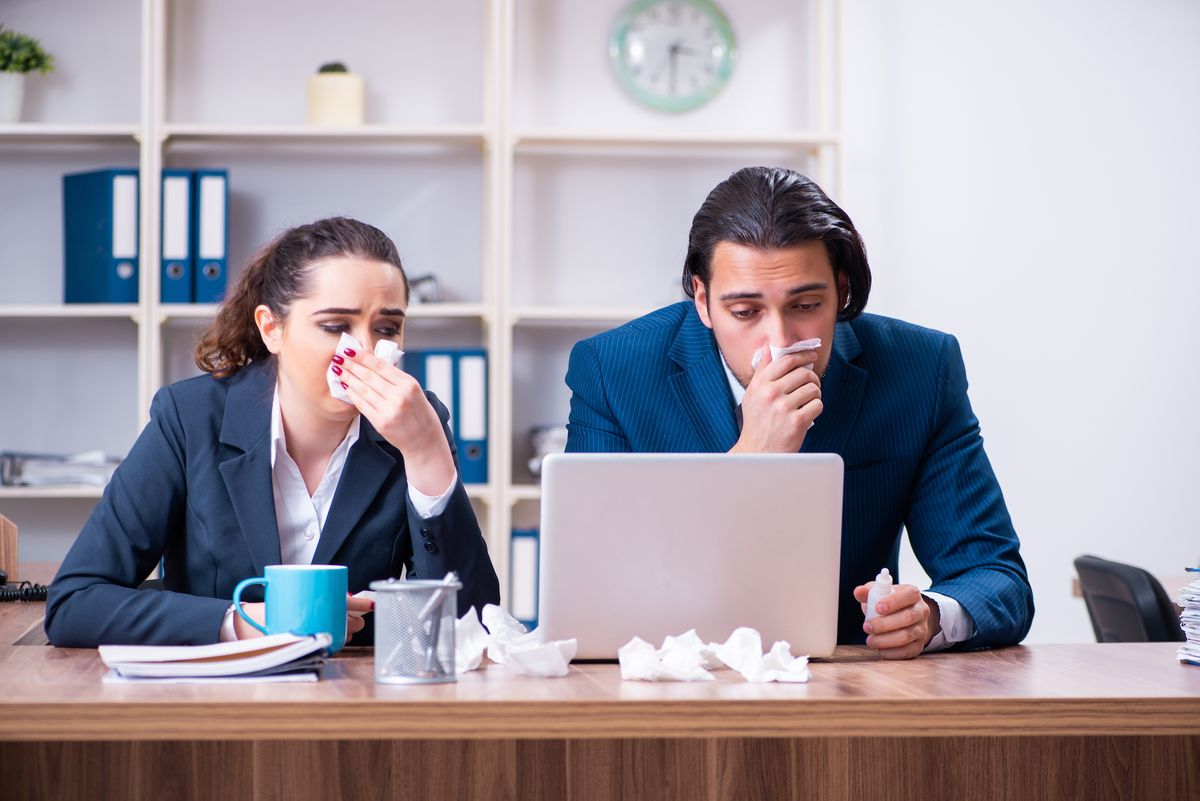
772, 261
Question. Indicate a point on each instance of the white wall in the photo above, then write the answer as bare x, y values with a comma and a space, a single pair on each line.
1025, 175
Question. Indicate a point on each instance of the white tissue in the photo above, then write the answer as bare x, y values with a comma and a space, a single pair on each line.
795, 347
687, 658
385, 349
743, 652
470, 640
508, 643
640, 662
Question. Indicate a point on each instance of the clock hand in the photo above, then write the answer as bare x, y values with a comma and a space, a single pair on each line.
674, 51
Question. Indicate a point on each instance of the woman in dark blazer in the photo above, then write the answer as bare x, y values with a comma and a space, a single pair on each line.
257, 463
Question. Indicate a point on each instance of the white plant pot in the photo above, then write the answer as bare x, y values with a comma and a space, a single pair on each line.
12, 92
335, 98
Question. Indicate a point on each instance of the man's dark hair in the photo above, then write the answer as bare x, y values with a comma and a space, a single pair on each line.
774, 207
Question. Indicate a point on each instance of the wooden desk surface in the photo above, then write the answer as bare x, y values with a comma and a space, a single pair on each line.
1134, 689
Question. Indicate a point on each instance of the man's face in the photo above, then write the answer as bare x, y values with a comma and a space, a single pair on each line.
769, 297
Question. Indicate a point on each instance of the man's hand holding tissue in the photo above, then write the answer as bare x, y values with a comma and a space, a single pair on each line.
396, 406
781, 402
907, 621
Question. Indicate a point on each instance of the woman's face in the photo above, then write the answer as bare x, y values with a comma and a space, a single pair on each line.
361, 297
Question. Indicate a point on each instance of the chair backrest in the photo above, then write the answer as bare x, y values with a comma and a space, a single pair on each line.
1125, 603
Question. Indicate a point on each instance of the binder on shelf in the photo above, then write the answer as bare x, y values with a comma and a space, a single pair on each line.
459, 379
176, 237
100, 236
471, 434
210, 238
523, 576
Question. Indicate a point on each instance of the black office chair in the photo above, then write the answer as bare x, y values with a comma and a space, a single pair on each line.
1125, 603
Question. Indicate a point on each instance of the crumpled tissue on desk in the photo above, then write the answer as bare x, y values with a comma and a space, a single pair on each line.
508, 643
688, 658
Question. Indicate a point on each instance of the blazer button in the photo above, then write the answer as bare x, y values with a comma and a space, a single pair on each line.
426, 534
430, 548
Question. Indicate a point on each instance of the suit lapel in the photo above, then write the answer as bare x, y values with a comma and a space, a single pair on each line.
700, 386
246, 426
842, 392
368, 466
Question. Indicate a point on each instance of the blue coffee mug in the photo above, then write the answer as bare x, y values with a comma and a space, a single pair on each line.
302, 599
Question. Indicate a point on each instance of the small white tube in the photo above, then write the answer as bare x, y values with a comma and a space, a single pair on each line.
881, 590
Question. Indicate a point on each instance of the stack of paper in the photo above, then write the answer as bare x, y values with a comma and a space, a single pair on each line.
92, 468
278, 657
1189, 621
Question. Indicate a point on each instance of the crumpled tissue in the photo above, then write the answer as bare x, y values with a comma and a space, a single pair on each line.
688, 658
508, 643
795, 347
385, 349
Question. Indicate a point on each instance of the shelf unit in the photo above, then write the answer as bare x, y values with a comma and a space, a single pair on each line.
503, 155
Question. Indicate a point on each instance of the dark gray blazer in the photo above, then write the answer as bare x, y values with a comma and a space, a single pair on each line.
195, 491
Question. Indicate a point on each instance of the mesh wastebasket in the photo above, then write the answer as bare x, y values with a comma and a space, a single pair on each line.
414, 631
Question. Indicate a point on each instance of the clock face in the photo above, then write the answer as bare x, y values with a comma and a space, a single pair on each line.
672, 55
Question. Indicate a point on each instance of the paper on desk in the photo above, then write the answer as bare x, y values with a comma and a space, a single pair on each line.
385, 349
113, 677
795, 347
687, 658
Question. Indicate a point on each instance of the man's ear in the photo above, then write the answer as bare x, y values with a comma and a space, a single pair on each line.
843, 292
269, 328
700, 296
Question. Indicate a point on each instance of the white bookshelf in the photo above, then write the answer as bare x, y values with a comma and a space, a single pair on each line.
51, 493
550, 206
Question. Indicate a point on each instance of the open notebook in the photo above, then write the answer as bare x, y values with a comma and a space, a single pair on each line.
276, 657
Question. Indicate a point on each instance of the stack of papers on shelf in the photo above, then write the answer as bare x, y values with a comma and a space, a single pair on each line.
91, 468
278, 657
1189, 621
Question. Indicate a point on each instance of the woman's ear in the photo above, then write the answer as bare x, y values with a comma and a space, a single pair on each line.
269, 328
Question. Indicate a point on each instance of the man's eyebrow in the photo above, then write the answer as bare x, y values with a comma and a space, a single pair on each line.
814, 286
396, 312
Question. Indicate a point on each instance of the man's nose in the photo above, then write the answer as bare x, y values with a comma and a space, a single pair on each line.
777, 332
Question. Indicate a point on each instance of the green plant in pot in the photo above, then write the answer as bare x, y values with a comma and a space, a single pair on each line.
19, 56
335, 96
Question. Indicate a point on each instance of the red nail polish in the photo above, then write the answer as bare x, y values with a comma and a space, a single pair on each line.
350, 352
336, 370
344, 385
372, 606
338, 359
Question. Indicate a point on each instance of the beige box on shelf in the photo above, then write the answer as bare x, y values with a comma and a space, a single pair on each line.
8, 547
335, 98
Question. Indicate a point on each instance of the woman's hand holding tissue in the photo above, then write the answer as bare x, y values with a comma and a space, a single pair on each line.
780, 404
397, 407
906, 622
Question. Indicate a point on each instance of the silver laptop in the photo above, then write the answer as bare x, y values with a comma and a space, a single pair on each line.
649, 545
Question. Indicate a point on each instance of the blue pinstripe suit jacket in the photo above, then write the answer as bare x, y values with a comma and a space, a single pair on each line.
896, 411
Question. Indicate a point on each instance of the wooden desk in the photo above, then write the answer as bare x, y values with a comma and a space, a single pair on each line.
1047, 721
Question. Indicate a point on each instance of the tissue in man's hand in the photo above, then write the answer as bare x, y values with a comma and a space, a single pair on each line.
795, 347
385, 349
